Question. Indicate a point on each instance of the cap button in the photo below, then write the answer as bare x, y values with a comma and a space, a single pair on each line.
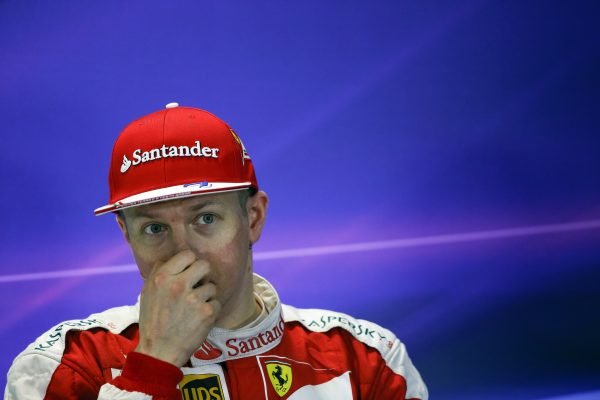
172, 105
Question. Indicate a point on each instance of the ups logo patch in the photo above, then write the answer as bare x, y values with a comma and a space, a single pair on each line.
201, 387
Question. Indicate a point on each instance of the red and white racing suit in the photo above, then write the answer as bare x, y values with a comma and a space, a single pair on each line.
295, 354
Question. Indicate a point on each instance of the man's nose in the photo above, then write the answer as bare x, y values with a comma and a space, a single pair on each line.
182, 239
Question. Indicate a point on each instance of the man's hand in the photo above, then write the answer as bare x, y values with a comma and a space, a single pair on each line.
177, 309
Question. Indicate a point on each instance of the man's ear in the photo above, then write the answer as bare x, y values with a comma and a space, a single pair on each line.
256, 206
123, 227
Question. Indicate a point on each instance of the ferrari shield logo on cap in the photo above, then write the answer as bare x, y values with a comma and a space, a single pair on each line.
280, 375
245, 155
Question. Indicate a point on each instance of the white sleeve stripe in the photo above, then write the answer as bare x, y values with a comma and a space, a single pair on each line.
111, 392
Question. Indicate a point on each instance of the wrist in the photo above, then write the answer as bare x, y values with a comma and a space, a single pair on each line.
162, 355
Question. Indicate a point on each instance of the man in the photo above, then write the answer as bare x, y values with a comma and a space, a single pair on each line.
205, 327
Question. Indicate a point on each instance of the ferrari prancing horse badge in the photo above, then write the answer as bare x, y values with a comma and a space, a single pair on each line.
280, 375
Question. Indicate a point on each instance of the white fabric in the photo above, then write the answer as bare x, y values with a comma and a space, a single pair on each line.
29, 386
110, 392
338, 388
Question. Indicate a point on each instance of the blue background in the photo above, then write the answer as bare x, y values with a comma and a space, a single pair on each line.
389, 124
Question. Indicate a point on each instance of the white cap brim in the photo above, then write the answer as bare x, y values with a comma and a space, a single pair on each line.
171, 193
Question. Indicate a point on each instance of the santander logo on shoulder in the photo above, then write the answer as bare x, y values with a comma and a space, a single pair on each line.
140, 157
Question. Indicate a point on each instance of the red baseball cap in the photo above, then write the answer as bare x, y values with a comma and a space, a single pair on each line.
174, 153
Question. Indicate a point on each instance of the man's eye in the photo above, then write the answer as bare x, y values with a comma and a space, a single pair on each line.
206, 219
153, 229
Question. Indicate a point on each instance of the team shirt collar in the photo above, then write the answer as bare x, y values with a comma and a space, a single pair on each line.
259, 336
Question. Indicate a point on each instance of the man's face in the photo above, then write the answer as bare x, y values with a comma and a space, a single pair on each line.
217, 228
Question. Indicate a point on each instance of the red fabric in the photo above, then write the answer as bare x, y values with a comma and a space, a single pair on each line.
68, 383
180, 126
91, 355
338, 350
145, 374
87, 361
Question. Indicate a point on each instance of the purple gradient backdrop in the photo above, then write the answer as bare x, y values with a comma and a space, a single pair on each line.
366, 122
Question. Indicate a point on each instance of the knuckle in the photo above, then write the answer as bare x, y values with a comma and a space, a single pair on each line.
208, 310
176, 288
192, 298
158, 278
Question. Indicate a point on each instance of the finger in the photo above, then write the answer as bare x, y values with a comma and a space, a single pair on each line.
206, 292
213, 309
179, 263
197, 273
202, 296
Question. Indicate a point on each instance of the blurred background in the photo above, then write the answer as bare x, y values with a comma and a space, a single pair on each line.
432, 166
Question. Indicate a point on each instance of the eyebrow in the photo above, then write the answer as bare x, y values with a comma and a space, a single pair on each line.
200, 206
151, 215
